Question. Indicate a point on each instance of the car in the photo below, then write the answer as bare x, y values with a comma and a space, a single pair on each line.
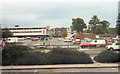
67, 40
34, 39
76, 41
114, 46
25, 38
59, 39
86, 44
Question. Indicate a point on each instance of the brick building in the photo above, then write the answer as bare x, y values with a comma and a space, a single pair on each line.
93, 36
59, 30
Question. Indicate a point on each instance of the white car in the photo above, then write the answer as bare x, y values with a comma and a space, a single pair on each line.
59, 39
67, 40
114, 46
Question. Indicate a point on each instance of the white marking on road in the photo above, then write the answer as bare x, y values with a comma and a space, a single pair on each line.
35, 71
113, 68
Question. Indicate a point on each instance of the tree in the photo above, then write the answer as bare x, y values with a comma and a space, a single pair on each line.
105, 24
98, 29
118, 25
94, 21
6, 33
78, 24
63, 34
111, 31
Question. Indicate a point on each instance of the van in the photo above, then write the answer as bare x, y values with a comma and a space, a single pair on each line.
98, 43
101, 42
12, 39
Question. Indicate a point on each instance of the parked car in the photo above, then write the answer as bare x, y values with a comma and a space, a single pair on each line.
59, 39
77, 41
86, 44
34, 39
67, 40
25, 38
12, 39
114, 46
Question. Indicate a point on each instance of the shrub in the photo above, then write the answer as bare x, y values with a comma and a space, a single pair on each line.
11, 52
33, 58
119, 57
65, 56
56, 56
107, 57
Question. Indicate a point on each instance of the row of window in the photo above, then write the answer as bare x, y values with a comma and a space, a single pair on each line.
28, 32
25, 28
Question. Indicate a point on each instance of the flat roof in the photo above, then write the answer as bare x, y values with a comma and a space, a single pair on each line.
27, 27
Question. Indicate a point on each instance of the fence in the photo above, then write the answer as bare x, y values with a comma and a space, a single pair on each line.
58, 46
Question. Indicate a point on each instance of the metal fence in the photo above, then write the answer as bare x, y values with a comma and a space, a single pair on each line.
58, 46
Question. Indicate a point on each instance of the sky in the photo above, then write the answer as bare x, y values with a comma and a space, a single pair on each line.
56, 13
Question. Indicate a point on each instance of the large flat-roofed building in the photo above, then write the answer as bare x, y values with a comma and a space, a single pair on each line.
35, 31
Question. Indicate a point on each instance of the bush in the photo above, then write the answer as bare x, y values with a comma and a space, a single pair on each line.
119, 57
11, 52
107, 57
33, 58
56, 56
65, 56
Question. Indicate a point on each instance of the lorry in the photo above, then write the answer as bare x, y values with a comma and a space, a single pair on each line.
76, 40
114, 46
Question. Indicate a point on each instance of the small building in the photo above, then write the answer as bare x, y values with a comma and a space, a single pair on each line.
58, 31
70, 32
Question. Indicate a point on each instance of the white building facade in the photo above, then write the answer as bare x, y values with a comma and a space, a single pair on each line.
70, 32
35, 31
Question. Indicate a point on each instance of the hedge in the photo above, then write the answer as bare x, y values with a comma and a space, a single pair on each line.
107, 57
56, 56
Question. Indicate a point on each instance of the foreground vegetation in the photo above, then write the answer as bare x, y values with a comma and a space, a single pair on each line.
19, 55
108, 57
16, 54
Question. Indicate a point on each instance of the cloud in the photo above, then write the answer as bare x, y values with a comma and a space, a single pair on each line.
55, 13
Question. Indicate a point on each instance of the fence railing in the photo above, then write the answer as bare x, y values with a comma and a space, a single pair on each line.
58, 46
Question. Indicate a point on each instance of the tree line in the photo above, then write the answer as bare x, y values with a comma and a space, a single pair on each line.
96, 26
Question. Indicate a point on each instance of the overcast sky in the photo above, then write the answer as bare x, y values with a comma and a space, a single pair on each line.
56, 13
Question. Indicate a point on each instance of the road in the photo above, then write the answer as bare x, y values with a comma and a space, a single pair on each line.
61, 71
